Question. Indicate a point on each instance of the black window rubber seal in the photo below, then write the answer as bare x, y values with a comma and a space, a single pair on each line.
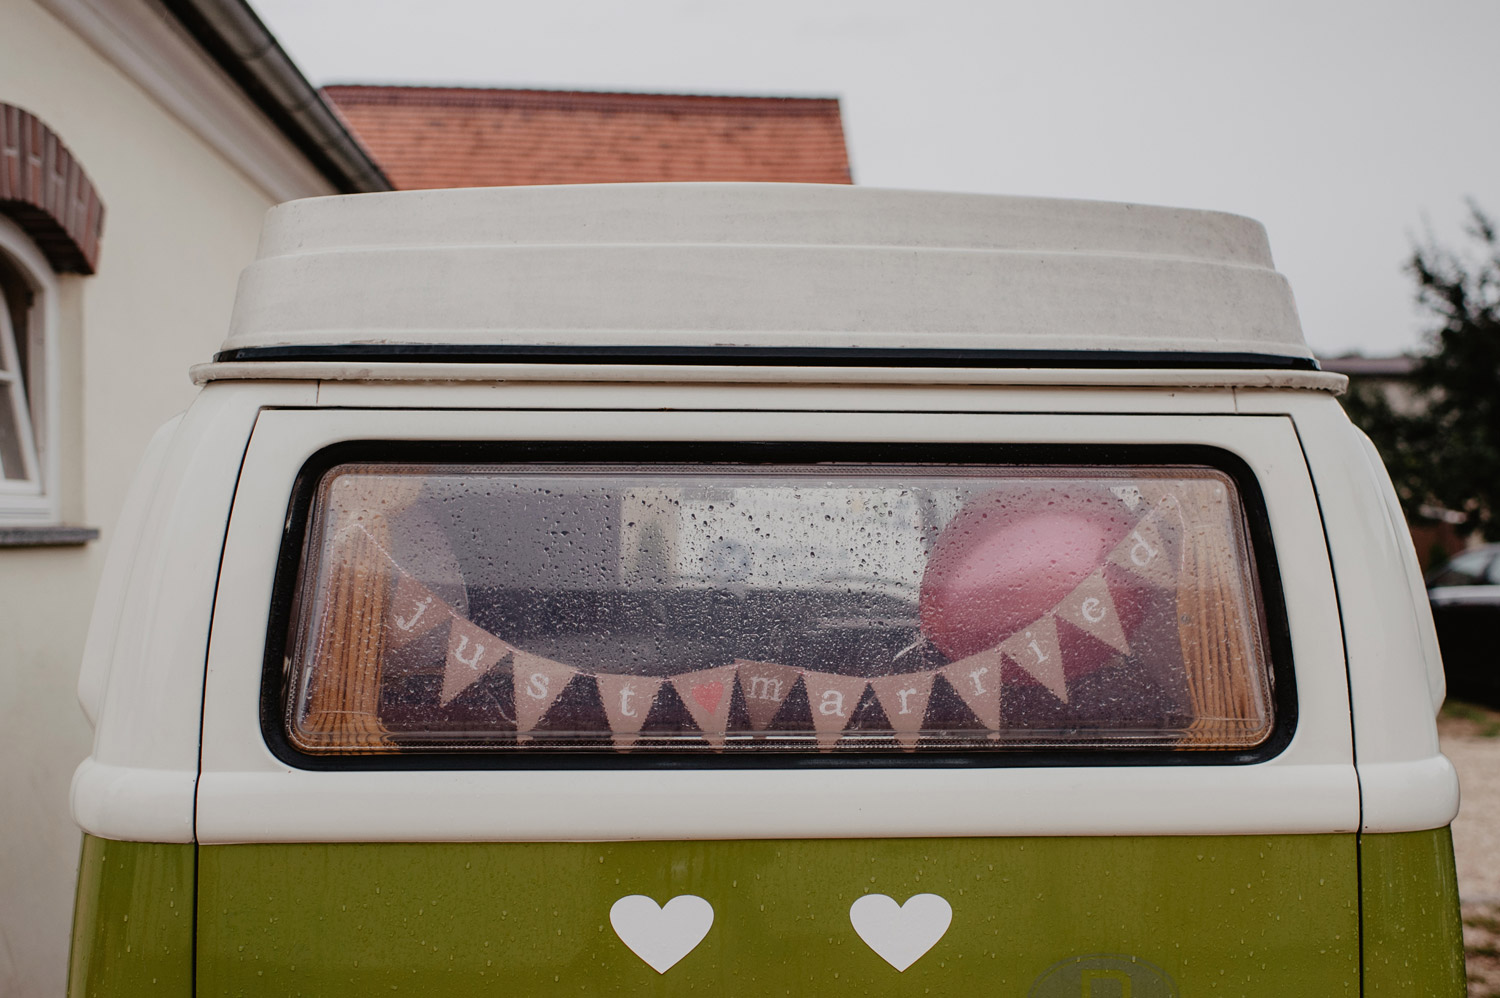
742, 356
275, 695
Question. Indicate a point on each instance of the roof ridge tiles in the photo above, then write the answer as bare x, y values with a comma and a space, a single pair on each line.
501, 97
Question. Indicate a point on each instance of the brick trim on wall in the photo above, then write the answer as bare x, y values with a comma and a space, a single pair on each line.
45, 191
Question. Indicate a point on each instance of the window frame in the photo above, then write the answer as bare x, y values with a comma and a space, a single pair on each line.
275, 701
32, 501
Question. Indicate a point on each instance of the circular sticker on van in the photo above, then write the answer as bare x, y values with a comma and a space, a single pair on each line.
1103, 975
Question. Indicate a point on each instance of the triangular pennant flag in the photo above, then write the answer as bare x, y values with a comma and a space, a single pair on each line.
1130, 495
832, 698
472, 652
904, 700
1035, 649
977, 680
765, 685
1154, 493
627, 700
538, 681
1144, 552
413, 611
1091, 609
707, 693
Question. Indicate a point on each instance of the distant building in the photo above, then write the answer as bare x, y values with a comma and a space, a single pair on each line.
1392, 375
426, 137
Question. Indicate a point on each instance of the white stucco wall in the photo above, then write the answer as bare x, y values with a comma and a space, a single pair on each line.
181, 220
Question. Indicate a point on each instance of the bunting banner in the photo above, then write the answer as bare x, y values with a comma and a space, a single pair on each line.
976, 679
765, 686
416, 610
904, 700
832, 698
472, 653
537, 683
1148, 554
1091, 609
706, 694
627, 700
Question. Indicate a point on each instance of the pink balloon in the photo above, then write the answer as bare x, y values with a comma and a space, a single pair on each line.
1008, 558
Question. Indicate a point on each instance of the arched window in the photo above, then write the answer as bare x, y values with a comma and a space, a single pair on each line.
28, 307
51, 220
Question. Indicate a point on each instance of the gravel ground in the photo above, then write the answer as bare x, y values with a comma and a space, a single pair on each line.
1471, 738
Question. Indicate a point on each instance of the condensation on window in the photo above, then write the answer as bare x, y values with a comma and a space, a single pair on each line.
798, 608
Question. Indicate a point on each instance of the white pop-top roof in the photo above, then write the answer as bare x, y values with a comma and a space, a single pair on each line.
759, 267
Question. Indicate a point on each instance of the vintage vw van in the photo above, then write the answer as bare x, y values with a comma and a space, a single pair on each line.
763, 590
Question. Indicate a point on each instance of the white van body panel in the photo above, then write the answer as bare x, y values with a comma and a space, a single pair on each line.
139, 782
818, 396
859, 315
1395, 672
1437, 682
247, 794
114, 581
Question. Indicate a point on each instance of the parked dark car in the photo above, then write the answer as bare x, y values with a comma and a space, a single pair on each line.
1465, 598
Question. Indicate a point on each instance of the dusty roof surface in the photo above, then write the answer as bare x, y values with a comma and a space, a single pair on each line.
760, 267
431, 137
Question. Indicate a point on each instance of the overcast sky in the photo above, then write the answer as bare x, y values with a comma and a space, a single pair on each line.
1349, 128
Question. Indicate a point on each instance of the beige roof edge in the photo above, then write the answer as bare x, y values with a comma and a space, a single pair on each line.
760, 265
425, 372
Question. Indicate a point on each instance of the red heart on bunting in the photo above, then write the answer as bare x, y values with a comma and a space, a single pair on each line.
708, 695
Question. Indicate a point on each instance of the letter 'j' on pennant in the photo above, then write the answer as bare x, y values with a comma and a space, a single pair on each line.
414, 610
707, 693
538, 682
832, 698
904, 700
627, 700
977, 681
471, 653
1091, 609
765, 685
1035, 649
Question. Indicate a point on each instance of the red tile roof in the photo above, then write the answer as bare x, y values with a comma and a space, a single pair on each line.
426, 137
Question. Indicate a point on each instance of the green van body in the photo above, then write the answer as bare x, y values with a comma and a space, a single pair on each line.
217, 862
1286, 915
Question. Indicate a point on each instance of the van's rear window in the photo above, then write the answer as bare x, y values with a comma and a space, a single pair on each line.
659, 608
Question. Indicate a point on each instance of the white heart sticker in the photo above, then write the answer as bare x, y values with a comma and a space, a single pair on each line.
661, 935
900, 934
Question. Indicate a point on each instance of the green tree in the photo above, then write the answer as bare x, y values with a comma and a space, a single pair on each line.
1443, 446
